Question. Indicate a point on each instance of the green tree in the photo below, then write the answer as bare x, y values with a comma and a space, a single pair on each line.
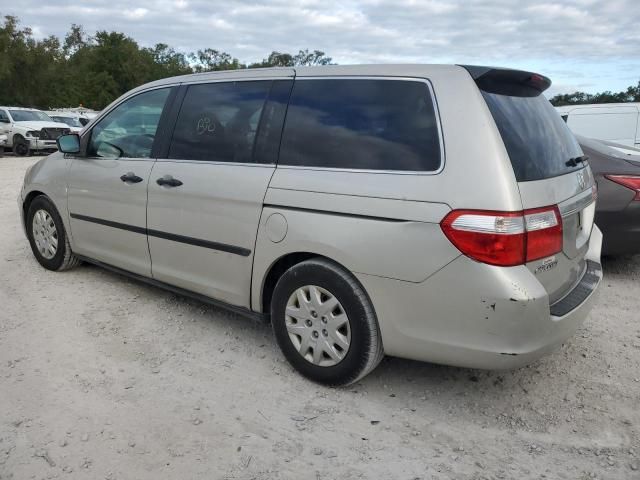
631, 94
302, 58
168, 62
94, 70
306, 58
210, 59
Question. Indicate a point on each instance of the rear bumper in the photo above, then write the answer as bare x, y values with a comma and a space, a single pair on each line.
621, 230
474, 315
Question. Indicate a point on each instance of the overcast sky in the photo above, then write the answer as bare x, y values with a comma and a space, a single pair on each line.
588, 45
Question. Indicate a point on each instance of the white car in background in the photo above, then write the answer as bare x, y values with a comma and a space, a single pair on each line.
3, 143
29, 130
613, 122
71, 120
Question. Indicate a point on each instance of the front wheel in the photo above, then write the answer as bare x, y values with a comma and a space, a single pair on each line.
325, 324
20, 147
48, 237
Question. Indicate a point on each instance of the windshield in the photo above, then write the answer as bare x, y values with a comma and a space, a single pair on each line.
538, 141
29, 116
71, 121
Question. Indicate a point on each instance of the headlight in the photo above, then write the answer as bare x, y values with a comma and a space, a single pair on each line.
33, 133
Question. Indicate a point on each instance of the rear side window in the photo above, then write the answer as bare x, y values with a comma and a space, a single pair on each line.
538, 141
219, 121
361, 124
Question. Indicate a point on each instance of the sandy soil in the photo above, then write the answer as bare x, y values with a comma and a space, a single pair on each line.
102, 377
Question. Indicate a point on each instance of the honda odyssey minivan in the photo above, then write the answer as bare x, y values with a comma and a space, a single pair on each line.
439, 213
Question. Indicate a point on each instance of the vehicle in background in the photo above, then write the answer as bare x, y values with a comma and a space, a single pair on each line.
83, 115
3, 143
345, 222
615, 122
69, 119
618, 209
87, 116
29, 130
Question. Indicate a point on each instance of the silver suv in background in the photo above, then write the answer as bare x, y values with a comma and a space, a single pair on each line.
432, 212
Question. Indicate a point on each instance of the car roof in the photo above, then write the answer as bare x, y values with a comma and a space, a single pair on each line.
22, 108
599, 106
608, 148
400, 70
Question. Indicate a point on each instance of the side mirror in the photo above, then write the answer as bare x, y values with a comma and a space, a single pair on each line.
69, 143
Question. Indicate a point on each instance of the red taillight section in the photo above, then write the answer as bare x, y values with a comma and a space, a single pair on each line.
629, 181
544, 232
505, 238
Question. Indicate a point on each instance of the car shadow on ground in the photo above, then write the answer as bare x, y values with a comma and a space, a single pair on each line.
621, 265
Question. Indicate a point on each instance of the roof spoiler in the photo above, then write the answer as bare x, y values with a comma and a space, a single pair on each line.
504, 81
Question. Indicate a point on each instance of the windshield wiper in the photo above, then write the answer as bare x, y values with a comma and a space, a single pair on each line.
573, 162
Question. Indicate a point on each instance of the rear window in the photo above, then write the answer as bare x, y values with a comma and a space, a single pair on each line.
361, 124
538, 141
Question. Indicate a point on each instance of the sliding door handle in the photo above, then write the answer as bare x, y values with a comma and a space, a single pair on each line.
168, 181
130, 177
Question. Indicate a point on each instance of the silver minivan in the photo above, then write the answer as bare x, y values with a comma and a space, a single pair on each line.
440, 213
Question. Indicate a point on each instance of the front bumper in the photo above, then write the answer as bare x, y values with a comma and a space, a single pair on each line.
37, 144
474, 315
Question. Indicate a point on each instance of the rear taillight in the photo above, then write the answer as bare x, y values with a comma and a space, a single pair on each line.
630, 181
544, 232
505, 238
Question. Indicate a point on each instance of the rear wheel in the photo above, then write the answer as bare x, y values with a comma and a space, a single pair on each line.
20, 147
47, 236
325, 324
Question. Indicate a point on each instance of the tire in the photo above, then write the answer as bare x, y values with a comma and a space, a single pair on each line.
20, 147
63, 259
364, 350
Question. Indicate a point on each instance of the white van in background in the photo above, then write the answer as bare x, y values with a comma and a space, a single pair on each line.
615, 122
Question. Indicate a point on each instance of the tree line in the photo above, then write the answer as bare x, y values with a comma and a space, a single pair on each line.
94, 70
631, 94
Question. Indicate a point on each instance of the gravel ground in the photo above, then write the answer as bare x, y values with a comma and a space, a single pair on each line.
102, 377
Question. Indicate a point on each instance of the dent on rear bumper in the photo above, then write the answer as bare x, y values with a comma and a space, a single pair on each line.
473, 315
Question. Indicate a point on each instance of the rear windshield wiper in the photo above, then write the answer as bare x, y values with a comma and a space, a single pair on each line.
573, 162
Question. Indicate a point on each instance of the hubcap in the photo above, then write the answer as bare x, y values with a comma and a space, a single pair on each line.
45, 234
318, 326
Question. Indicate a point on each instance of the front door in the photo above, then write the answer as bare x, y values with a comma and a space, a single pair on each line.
205, 198
107, 196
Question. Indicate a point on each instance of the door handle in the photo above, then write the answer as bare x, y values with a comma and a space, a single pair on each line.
168, 181
130, 177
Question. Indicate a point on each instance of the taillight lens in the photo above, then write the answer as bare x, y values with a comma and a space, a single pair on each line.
629, 181
505, 238
544, 232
